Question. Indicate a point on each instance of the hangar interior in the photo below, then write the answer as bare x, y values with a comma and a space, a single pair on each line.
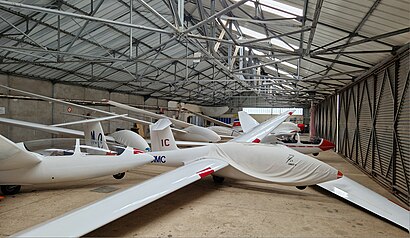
345, 63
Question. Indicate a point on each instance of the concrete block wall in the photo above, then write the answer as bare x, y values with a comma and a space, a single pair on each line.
53, 113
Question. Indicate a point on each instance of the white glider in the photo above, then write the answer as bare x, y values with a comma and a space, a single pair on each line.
290, 131
93, 132
313, 147
194, 132
239, 160
45, 98
284, 129
18, 166
247, 123
123, 137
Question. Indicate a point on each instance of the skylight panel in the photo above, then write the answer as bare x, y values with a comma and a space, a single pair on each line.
257, 35
274, 41
287, 86
280, 71
252, 33
289, 65
277, 5
257, 52
283, 45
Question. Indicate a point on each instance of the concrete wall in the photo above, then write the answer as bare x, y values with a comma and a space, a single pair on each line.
52, 113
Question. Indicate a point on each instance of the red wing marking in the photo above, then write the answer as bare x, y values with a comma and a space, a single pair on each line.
236, 123
256, 140
137, 151
326, 145
339, 174
205, 172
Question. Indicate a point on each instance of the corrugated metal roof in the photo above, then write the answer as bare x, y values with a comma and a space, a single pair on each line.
97, 54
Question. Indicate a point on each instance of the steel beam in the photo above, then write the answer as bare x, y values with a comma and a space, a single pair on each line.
340, 62
69, 14
159, 16
84, 26
277, 36
315, 21
368, 39
211, 18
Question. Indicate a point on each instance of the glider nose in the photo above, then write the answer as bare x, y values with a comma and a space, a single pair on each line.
326, 145
306, 170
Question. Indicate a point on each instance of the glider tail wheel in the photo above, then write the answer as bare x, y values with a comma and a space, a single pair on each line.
217, 179
301, 187
10, 189
119, 175
315, 154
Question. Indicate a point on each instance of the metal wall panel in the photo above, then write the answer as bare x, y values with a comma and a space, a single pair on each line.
374, 123
402, 132
326, 115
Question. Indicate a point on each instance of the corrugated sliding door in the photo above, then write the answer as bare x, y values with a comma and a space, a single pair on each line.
374, 124
326, 117
401, 181
383, 126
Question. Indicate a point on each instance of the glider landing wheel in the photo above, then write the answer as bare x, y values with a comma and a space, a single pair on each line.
217, 179
119, 175
10, 189
315, 154
301, 187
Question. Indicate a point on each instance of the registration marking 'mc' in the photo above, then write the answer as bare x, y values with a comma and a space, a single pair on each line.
205, 172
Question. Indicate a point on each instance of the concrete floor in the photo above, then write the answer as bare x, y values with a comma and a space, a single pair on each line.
203, 209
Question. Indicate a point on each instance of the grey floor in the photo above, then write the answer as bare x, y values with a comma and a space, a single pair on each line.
204, 209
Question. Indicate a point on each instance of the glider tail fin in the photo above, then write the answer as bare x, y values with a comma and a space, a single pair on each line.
94, 135
162, 138
93, 132
247, 122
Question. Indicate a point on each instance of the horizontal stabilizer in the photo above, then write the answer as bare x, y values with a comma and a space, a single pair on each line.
90, 217
13, 156
161, 125
369, 200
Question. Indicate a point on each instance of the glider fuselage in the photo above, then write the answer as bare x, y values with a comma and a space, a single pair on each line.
255, 162
53, 169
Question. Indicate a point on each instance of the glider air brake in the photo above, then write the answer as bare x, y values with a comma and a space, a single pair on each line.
237, 159
190, 133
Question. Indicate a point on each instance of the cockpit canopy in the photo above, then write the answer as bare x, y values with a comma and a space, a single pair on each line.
66, 146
